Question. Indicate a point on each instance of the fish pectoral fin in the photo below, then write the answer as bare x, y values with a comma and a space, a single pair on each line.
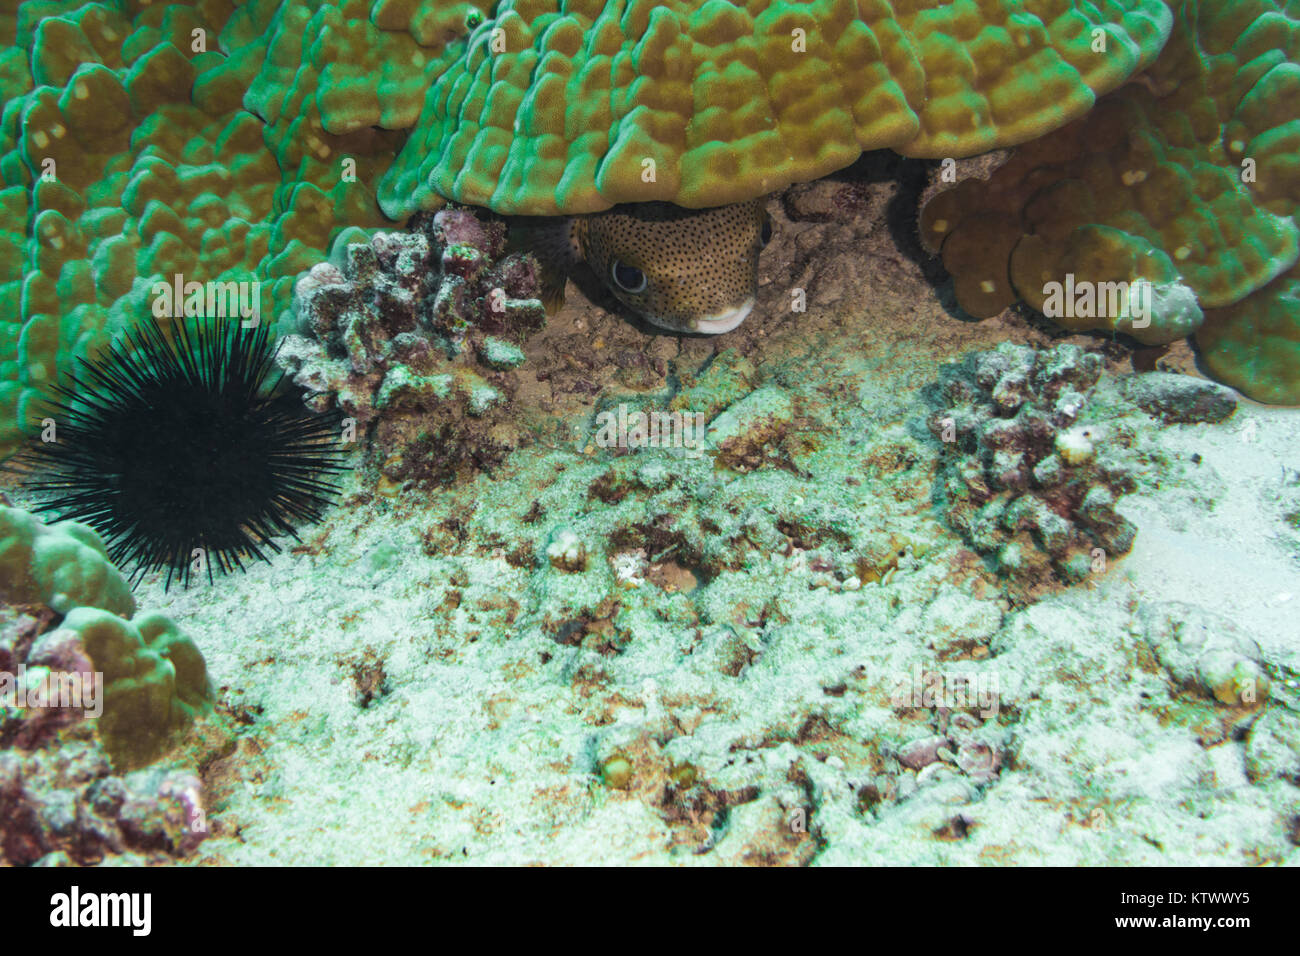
550, 240
551, 288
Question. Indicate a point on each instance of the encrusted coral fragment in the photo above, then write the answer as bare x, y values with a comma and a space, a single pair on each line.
413, 337
1030, 477
67, 807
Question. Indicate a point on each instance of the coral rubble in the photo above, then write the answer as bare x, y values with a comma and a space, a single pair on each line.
1031, 477
413, 337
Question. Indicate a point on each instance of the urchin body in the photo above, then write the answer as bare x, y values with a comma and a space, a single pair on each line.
183, 451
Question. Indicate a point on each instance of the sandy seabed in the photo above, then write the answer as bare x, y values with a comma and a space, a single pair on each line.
423, 682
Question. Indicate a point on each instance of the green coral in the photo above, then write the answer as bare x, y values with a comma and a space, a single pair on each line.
128, 156
574, 107
64, 566
1254, 345
1187, 180
155, 681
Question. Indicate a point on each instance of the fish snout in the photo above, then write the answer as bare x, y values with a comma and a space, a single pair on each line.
724, 321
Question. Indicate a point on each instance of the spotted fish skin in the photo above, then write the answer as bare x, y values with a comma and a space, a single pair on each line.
683, 270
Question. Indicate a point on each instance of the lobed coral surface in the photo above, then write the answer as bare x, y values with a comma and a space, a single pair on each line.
1183, 181
93, 706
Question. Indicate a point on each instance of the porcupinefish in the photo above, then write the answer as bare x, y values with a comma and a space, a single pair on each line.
682, 270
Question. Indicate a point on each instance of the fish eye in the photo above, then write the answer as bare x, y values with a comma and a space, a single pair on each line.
626, 277
765, 234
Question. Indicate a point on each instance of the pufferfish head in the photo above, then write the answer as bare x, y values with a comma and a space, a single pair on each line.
684, 270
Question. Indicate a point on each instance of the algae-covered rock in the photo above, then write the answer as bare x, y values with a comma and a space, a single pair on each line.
741, 432
68, 808
1208, 654
1180, 399
1273, 747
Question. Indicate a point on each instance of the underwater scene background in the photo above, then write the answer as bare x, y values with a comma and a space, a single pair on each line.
606, 432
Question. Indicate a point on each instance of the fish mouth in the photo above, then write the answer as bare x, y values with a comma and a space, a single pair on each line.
721, 322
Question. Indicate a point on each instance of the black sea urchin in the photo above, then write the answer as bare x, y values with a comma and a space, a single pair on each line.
183, 452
